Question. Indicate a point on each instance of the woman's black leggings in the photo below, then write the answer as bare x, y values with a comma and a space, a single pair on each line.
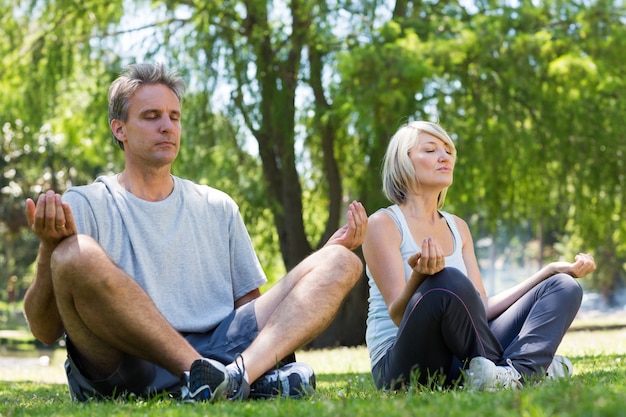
445, 325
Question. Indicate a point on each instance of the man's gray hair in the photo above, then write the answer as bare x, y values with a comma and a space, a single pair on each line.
131, 79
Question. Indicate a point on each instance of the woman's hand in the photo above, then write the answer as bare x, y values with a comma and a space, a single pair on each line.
430, 260
583, 264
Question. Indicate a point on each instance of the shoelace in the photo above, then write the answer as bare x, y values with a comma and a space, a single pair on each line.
241, 371
508, 375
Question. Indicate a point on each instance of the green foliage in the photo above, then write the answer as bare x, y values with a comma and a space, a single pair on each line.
31, 163
53, 106
538, 140
35, 160
312, 91
382, 81
51, 43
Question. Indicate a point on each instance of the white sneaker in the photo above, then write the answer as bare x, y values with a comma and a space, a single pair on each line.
561, 367
508, 377
480, 373
294, 380
484, 375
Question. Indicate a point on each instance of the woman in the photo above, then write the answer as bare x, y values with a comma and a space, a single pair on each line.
429, 315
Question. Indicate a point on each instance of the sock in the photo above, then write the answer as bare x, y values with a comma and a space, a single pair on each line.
233, 368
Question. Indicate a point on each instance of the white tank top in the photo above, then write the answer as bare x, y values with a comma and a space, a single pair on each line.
381, 330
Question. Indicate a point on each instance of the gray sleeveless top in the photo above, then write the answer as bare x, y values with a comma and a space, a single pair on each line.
381, 330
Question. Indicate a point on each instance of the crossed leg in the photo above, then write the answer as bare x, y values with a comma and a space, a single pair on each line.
300, 306
107, 314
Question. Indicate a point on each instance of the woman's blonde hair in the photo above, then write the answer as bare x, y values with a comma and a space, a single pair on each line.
398, 174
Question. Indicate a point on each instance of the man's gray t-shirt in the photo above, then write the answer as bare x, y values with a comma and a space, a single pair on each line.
190, 252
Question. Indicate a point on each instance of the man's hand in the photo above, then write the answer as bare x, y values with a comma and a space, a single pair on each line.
352, 234
50, 218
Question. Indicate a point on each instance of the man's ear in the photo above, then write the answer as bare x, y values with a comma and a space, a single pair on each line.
119, 129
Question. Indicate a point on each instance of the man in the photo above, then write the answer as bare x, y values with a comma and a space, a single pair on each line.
153, 280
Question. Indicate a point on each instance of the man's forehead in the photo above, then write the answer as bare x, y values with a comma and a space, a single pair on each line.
154, 97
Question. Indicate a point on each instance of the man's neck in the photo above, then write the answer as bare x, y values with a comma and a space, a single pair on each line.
150, 187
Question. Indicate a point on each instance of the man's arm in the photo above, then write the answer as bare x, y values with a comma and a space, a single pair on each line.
40, 306
52, 221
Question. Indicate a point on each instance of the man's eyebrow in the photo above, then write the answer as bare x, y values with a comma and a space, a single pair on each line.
159, 111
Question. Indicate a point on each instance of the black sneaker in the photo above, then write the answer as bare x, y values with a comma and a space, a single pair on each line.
209, 380
294, 380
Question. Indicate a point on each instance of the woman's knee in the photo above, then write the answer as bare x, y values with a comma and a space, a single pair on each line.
453, 280
568, 286
448, 287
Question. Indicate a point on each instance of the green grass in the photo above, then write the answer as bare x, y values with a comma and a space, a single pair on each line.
345, 388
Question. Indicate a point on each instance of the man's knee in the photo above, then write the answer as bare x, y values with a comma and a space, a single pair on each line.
346, 261
334, 268
73, 254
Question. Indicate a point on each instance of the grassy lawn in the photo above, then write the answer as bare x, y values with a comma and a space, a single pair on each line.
345, 388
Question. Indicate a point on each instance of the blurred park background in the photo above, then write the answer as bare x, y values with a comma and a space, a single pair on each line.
290, 106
